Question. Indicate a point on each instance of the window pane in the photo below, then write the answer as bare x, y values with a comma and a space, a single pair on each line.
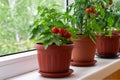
16, 16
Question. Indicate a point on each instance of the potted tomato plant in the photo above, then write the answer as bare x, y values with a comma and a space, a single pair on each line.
51, 33
117, 25
107, 19
84, 13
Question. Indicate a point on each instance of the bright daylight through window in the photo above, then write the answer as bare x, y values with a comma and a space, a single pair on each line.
16, 16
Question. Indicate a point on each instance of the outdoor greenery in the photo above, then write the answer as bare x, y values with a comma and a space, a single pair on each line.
16, 16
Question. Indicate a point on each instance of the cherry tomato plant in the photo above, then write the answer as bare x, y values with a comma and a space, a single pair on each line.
52, 27
84, 12
95, 16
108, 17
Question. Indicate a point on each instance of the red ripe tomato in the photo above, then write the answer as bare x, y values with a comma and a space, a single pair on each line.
55, 30
62, 31
88, 10
67, 35
110, 3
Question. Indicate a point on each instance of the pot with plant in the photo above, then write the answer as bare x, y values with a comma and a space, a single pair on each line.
107, 20
51, 33
117, 30
85, 45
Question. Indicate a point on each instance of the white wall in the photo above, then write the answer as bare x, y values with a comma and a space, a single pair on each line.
70, 1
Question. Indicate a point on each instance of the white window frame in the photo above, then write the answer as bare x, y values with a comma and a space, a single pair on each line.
17, 64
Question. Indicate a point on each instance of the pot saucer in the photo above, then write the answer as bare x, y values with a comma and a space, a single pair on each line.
108, 56
84, 64
56, 75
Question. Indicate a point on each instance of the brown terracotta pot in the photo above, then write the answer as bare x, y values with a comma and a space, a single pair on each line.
55, 60
107, 47
117, 32
84, 51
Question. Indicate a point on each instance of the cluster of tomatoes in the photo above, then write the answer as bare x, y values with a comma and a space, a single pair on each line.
63, 32
92, 9
110, 3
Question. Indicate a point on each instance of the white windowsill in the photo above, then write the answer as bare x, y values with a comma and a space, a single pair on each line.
102, 69
17, 64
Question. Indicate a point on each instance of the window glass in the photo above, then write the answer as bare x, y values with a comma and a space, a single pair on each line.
16, 16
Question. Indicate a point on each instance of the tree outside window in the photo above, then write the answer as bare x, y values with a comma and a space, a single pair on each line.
16, 16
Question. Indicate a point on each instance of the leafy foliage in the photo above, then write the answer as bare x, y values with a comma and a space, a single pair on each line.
96, 16
46, 20
85, 15
108, 17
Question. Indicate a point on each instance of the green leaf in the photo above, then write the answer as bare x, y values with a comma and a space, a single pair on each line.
39, 9
57, 40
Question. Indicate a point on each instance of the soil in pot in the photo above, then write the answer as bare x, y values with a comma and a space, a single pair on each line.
83, 52
55, 60
108, 47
